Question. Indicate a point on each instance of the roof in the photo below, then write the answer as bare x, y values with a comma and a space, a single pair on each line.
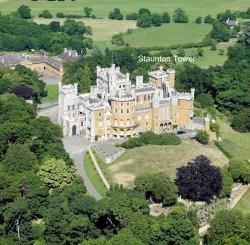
69, 55
10, 59
232, 22
144, 89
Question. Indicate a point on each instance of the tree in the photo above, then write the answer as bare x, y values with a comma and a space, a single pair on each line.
22, 91
19, 158
116, 14
156, 19
198, 20
209, 19
24, 12
205, 100
199, 180
158, 187
228, 225
165, 17
227, 183
220, 32
117, 39
203, 137
180, 16
45, 130
241, 121
144, 11
87, 12
181, 52
240, 171
200, 52
46, 14
144, 21
55, 26
132, 16
56, 173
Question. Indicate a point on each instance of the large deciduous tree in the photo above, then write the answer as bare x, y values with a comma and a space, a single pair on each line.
199, 180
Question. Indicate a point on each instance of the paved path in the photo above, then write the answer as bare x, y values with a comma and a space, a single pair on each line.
76, 146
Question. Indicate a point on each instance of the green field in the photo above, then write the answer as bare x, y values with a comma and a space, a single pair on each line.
167, 35
52, 94
243, 204
102, 8
168, 158
93, 175
211, 57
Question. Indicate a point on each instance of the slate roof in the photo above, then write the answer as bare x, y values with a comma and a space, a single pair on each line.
10, 59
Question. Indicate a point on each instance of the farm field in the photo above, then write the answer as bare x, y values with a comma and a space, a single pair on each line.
102, 8
167, 35
243, 204
102, 29
154, 158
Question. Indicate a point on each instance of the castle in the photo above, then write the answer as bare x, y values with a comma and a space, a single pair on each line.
116, 108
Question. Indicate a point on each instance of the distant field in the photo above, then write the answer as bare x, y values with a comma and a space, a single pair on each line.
167, 35
154, 158
103, 29
102, 8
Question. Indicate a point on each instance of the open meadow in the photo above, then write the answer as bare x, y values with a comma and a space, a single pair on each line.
167, 35
152, 158
102, 8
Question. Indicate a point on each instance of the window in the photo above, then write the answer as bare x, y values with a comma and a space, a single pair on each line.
121, 104
145, 97
127, 110
73, 107
68, 108
100, 114
81, 123
127, 103
121, 110
115, 110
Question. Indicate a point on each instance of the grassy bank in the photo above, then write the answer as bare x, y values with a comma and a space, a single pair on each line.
93, 175
243, 204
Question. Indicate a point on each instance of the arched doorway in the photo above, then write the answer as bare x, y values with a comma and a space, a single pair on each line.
74, 130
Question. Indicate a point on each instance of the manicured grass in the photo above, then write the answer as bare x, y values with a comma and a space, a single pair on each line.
94, 176
167, 35
102, 8
102, 29
236, 143
52, 94
243, 204
152, 158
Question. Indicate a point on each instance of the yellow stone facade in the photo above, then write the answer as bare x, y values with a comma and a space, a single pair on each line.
117, 108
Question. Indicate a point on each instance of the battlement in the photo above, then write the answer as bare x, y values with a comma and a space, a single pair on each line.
69, 88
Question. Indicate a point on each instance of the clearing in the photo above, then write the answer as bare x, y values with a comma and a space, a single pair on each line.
102, 8
52, 96
167, 35
167, 158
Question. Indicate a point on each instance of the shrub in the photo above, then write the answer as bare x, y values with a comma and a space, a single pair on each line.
198, 20
215, 127
132, 16
240, 171
150, 138
227, 183
203, 137
60, 15
46, 14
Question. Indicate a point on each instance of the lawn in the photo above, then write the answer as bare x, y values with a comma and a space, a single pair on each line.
52, 96
243, 204
152, 158
167, 35
236, 143
93, 175
102, 8
103, 29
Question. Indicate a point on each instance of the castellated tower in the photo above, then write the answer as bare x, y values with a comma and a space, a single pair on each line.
68, 108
